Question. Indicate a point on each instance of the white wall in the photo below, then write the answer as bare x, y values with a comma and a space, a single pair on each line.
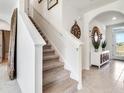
62, 15
116, 6
4, 25
29, 56
6, 9
71, 14
21, 5
25, 59
54, 16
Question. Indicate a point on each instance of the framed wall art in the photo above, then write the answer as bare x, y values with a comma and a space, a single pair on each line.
51, 3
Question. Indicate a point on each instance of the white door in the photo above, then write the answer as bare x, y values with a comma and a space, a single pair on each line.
118, 44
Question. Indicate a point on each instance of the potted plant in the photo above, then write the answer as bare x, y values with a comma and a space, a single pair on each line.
96, 45
104, 45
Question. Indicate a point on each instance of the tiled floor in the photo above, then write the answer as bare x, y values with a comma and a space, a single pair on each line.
108, 79
7, 86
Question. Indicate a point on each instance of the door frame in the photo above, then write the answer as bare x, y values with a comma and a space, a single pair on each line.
114, 56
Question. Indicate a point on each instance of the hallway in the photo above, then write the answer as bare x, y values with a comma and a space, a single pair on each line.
108, 79
7, 86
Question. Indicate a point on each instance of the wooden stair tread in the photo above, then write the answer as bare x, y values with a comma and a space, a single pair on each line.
49, 57
48, 50
51, 65
61, 87
47, 46
55, 75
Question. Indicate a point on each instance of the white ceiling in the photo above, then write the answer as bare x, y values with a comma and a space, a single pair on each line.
6, 8
106, 18
87, 5
4, 25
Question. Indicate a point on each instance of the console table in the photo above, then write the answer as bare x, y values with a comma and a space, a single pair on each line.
100, 58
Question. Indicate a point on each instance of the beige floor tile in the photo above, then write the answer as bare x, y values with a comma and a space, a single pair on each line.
6, 85
108, 79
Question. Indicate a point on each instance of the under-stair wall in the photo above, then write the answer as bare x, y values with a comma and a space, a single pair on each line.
68, 47
29, 56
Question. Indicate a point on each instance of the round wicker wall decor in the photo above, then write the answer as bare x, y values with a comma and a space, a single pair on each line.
75, 30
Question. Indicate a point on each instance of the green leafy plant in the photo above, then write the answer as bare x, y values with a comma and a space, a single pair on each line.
104, 44
96, 45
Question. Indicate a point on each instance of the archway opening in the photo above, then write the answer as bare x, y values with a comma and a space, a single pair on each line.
111, 27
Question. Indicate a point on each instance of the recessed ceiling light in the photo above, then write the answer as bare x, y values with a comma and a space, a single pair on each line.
114, 18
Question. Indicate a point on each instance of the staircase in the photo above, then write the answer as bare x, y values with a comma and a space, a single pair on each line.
55, 78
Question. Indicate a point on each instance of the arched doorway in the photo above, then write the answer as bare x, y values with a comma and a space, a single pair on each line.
88, 17
106, 22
